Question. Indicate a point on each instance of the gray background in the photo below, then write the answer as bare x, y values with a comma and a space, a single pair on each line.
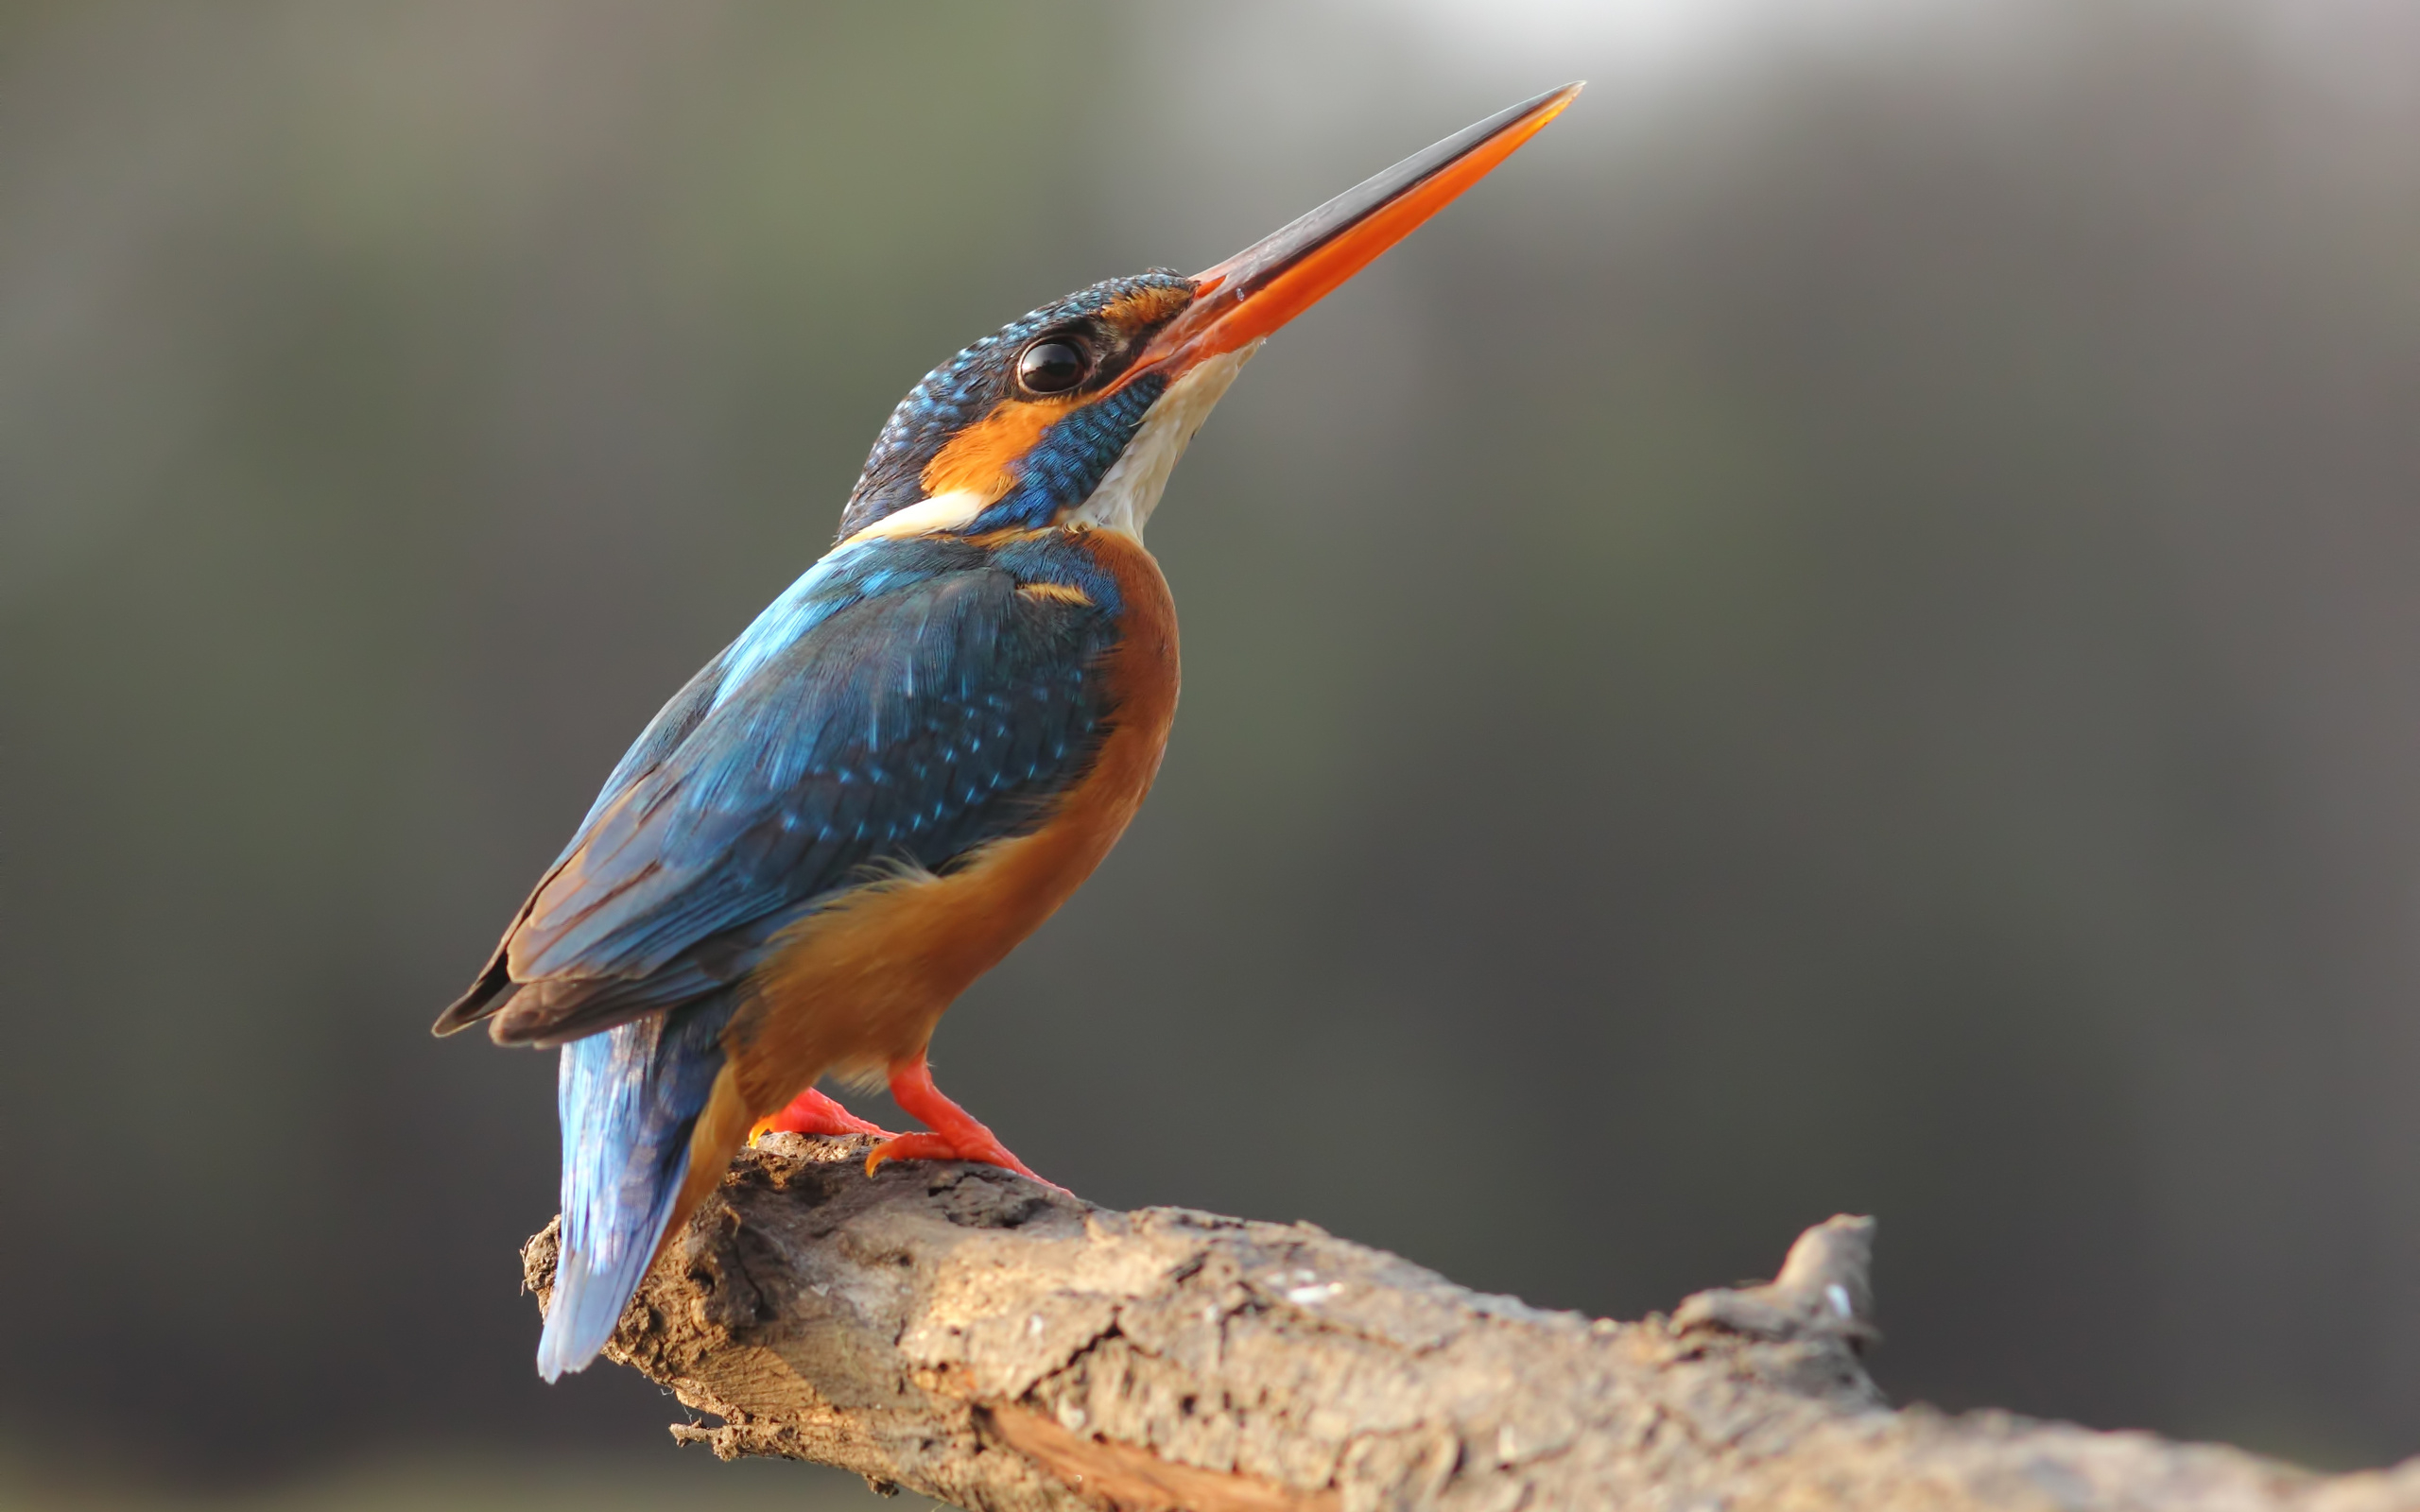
1841, 635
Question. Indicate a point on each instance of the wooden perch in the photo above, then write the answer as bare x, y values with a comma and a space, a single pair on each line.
968, 1336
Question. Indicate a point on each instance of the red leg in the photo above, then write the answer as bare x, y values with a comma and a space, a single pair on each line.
956, 1135
814, 1113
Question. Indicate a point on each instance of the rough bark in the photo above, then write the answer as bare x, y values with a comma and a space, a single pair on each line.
972, 1338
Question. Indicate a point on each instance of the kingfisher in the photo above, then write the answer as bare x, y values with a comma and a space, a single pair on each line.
907, 762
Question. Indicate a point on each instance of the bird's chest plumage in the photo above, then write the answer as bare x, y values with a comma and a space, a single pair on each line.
859, 984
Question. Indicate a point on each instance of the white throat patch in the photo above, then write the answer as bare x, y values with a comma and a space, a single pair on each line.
1127, 496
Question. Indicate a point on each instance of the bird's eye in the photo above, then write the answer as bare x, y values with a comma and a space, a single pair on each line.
1052, 366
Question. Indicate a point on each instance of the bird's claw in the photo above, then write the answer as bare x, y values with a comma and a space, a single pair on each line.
812, 1112
957, 1134
941, 1147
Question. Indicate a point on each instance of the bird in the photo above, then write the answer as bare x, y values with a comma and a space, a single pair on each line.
907, 762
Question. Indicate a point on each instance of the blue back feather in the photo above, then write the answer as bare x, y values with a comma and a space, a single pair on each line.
847, 730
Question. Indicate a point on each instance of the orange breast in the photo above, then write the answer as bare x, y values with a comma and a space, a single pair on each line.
859, 986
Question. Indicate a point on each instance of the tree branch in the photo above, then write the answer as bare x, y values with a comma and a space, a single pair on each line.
971, 1336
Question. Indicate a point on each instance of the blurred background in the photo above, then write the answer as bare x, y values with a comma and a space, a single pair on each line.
1844, 634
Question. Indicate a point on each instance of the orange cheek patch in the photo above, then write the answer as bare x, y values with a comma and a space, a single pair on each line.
981, 459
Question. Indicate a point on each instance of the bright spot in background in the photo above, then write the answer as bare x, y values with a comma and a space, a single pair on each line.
1648, 37
2368, 44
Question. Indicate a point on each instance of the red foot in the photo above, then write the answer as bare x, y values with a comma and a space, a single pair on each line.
814, 1113
956, 1135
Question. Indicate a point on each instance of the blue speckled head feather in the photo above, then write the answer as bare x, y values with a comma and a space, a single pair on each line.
976, 381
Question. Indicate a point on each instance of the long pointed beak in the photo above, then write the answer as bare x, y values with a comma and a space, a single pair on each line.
1277, 278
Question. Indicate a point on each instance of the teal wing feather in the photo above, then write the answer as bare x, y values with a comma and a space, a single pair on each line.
929, 707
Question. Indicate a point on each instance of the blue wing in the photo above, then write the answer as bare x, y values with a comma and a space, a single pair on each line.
908, 702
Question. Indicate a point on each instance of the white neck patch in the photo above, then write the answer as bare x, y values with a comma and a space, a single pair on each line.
954, 511
1127, 496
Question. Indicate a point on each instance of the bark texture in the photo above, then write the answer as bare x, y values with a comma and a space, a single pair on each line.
972, 1338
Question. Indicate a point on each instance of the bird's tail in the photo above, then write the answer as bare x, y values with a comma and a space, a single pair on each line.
630, 1098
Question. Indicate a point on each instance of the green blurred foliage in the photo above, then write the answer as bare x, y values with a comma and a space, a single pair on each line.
1839, 636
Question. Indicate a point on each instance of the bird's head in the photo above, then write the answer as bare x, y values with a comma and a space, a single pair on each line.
1078, 412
